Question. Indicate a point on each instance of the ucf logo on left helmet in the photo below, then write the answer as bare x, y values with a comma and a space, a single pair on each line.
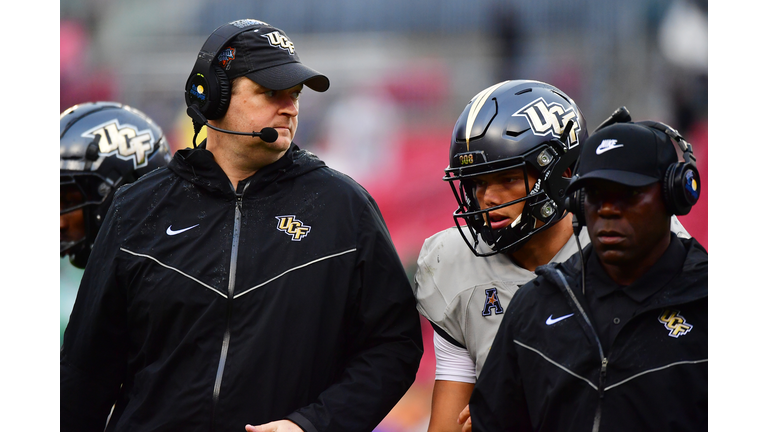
124, 141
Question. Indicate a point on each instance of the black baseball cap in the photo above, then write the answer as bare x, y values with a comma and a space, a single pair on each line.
268, 57
632, 154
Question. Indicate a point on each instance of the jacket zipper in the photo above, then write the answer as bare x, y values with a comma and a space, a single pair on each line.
600, 390
230, 296
603, 357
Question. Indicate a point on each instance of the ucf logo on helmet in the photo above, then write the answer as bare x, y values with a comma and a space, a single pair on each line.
126, 141
546, 118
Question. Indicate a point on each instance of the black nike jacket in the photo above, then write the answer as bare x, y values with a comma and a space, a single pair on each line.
554, 375
205, 309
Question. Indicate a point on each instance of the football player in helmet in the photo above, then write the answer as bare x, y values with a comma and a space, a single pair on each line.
512, 153
525, 136
103, 146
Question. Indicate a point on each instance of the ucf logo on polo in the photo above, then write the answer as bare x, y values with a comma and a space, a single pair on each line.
125, 141
278, 40
550, 119
293, 227
675, 323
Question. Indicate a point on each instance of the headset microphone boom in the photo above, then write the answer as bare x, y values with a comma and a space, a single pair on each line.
266, 134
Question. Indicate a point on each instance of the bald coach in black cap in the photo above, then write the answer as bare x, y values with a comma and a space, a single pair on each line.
616, 340
245, 284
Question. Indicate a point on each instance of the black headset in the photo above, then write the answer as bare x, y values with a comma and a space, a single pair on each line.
208, 87
681, 184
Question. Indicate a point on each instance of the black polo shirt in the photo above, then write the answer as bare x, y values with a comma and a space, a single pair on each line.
612, 305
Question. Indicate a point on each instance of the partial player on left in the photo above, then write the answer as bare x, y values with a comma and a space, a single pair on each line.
103, 146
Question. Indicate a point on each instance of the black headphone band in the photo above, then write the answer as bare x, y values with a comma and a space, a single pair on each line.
207, 89
219, 38
681, 181
683, 149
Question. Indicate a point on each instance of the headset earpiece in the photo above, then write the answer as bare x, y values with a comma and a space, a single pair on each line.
682, 185
681, 188
225, 91
575, 204
208, 86
209, 91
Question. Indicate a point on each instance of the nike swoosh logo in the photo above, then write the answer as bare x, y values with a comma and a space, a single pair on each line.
607, 145
551, 320
172, 232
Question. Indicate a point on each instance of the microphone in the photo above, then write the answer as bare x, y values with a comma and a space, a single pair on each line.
621, 115
267, 134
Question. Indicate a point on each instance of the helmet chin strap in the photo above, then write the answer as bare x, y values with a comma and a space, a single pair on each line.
517, 221
513, 224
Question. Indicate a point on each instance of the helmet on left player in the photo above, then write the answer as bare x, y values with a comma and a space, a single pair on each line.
103, 145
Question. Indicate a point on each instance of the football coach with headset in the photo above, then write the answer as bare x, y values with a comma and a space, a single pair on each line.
245, 284
614, 338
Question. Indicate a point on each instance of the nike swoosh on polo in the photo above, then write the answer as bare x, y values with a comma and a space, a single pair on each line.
608, 144
551, 320
172, 232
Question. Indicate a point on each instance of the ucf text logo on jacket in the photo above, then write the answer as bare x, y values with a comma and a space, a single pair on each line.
293, 227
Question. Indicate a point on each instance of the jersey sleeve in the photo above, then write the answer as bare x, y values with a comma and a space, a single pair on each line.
452, 363
437, 301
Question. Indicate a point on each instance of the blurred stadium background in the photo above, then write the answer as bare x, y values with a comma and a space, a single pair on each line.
401, 72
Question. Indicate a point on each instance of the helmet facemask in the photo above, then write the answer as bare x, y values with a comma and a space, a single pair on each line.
88, 192
539, 211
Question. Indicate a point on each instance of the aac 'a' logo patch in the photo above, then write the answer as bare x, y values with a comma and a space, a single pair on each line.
492, 303
675, 323
550, 119
293, 227
125, 141
276, 39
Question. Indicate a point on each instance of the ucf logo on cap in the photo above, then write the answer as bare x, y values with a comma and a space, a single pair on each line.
277, 39
127, 142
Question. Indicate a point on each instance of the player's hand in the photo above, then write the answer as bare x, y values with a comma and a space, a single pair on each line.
465, 419
275, 426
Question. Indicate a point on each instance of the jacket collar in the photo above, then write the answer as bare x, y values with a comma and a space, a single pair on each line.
198, 166
689, 285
